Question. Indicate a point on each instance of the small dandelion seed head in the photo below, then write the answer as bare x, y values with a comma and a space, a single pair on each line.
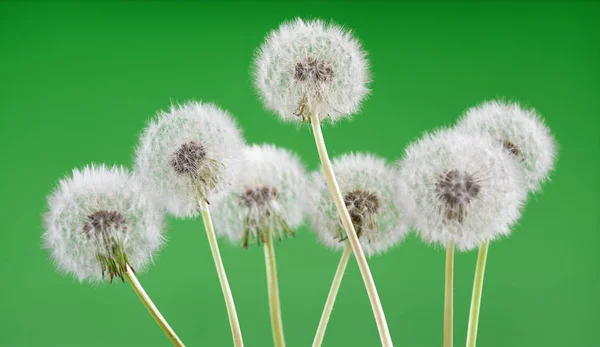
466, 188
375, 199
98, 221
307, 67
269, 196
187, 154
522, 132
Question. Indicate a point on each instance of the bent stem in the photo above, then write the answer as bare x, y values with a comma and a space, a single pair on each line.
214, 248
476, 296
382, 326
335, 287
154, 312
274, 305
448, 295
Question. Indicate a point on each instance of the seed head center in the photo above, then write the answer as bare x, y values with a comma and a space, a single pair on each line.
456, 189
314, 70
258, 196
512, 148
188, 158
102, 221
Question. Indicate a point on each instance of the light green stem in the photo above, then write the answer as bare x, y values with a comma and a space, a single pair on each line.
335, 287
214, 248
154, 312
476, 296
449, 295
273, 287
384, 333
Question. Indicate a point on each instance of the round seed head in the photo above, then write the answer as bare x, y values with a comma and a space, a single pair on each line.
98, 221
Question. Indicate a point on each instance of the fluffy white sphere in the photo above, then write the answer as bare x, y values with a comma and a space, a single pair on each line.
98, 219
189, 153
311, 67
375, 198
269, 195
522, 132
467, 188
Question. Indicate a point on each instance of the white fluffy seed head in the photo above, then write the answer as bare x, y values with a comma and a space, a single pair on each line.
466, 188
98, 220
307, 67
189, 153
522, 133
269, 195
375, 199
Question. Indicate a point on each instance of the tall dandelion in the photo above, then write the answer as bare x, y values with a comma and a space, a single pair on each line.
524, 136
101, 226
266, 204
467, 192
379, 208
312, 71
189, 157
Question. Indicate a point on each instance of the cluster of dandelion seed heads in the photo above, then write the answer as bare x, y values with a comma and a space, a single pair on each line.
98, 217
190, 153
374, 197
522, 133
307, 67
269, 195
466, 188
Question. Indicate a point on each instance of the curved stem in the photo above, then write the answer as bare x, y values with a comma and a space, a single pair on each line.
335, 287
274, 305
214, 248
476, 296
154, 312
448, 295
382, 326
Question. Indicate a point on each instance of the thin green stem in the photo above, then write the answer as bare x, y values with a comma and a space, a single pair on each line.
335, 287
476, 296
449, 295
273, 287
384, 333
214, 248
154, 312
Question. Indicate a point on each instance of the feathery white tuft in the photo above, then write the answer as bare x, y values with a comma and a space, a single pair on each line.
466, 188
101, 213
522, 132
187, 154
308, 67
269, 195
376, 200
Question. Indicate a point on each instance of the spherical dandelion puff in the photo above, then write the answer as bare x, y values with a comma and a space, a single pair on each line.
101, 225
188, 157
521, 132
267, 202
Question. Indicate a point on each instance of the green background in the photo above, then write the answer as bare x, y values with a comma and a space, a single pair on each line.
78, 82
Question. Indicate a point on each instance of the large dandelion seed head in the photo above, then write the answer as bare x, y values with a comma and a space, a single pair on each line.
375, 199
188, 154
521, 132
466, 189
268, 196
307, 67
98, 221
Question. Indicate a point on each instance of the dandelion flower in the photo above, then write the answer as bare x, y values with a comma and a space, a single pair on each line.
522, 133
188, 154
266, 202
307, 67
101, 225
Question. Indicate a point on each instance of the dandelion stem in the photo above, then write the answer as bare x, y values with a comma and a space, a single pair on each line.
335, 286
273, 287
154, 312
476, 296
214, 248
448, 295
384, 333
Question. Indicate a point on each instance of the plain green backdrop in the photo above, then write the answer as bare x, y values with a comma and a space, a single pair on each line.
79, 81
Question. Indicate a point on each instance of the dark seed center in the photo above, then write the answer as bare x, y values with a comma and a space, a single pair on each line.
258, 196
456, 189
512, 148
360, 203
187, 158
313, 70
103, 221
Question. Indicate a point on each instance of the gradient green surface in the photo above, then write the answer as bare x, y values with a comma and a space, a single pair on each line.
78, 82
